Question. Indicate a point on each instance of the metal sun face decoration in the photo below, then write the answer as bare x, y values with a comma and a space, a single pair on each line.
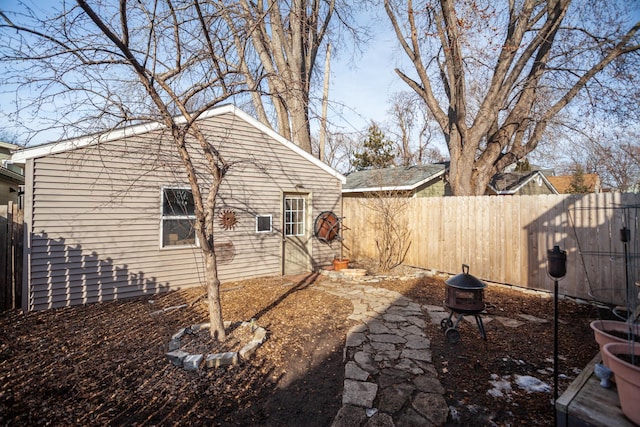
228, 219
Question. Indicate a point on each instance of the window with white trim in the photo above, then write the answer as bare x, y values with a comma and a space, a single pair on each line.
294, 214
263, 224
178, 217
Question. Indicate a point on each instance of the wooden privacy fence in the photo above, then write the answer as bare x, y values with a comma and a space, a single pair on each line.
504, 239
11, 238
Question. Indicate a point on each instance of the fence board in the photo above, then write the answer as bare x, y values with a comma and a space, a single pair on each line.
11, 252
505, 239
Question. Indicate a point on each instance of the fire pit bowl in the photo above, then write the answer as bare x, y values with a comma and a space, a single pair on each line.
464, 295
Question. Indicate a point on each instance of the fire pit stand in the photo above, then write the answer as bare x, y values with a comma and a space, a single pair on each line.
464, 296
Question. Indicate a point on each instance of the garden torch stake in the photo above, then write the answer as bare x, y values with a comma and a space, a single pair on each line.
556, 268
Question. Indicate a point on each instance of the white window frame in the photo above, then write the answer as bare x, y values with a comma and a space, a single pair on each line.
164, 218
295, 227
270, 230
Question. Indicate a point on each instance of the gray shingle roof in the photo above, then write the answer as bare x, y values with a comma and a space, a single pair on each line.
394, 178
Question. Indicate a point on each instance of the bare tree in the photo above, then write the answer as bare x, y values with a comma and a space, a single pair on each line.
391, 225
494, 76
285, 37
339, 149
116, 63
411, 125
615, 157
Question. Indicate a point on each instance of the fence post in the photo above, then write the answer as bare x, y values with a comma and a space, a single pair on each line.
5, 267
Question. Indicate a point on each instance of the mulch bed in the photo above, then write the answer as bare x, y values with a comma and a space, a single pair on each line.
104, 363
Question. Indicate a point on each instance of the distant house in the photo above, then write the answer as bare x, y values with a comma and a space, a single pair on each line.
520, 183
430, 181
562, 183
111, 216
11, 175
405, 181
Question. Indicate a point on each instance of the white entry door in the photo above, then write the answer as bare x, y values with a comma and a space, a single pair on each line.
297, 235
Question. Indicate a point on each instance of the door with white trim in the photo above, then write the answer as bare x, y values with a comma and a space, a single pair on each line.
297, 234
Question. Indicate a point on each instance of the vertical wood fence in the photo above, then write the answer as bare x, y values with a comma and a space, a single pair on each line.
11, 254
504, 239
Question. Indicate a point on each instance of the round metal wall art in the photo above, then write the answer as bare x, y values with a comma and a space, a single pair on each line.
228, 219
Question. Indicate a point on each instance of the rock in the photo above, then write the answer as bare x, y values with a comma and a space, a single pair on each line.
432, 406
393, 398
221, 359
259, 335
380, 420
377, 327
510, 323
174, 344
349, 416
387, 338
355, 339
352, 371
359, 393
176, 356
424, 355
533, 319
382, 346
192, 362
365, 361
409, 417
417, 342
428, 384
247, 351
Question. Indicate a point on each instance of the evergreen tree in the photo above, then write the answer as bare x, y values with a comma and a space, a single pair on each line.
577, 185
376, 153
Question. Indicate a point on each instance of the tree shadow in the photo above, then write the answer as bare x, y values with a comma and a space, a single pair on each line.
64, 275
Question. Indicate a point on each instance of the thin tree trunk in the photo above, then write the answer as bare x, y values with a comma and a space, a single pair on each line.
325, 102
213, 293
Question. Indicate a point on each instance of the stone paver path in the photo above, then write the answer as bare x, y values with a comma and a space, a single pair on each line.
390, 379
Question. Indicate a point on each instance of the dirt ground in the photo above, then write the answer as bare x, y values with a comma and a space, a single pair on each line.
104, 364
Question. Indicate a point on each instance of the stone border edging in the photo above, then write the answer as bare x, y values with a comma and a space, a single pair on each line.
191, 362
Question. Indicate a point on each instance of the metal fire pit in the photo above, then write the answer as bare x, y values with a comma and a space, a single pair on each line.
464, 296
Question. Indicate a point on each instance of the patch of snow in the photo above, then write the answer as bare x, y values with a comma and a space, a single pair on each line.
532, 384
500, 387
455, 416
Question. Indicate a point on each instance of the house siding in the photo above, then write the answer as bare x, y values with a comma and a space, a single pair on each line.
433, 188
95, 216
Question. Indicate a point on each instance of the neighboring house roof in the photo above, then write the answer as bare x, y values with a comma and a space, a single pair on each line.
563, 182
511, 182
71, 144
401, 178
10, 175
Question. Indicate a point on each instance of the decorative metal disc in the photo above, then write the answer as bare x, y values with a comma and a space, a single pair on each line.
228, 219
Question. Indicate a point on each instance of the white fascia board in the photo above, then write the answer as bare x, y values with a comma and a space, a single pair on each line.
21, 156
525, 182
43, 150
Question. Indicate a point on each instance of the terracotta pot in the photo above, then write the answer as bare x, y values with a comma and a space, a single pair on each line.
627, 377
340, 264
600, 328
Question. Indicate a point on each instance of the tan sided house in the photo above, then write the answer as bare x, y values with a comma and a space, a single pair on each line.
110, 216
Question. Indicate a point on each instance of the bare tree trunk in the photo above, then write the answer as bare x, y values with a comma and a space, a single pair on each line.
213, 294
325, 102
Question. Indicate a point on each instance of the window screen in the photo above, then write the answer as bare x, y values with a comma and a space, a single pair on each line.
263, 224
